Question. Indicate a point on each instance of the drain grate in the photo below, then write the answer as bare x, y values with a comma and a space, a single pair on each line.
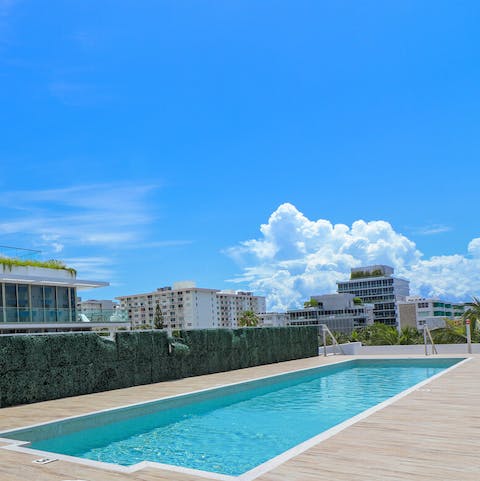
44, 460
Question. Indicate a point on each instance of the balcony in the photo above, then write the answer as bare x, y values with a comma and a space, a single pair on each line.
13, 317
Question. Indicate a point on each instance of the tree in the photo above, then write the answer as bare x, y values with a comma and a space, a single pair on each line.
158, 318
452, 333
473, 313
310, 303
410, 335
455, 331
378, 334
248, 319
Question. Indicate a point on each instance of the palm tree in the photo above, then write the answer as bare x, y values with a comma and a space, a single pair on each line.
473, 313
248, 319
410, 335
378, 334
452, 333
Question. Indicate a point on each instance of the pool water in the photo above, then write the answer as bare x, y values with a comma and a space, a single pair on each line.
232, 430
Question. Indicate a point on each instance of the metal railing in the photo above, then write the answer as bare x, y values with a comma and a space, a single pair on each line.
427, 335
325, 331
102, 316
23, 315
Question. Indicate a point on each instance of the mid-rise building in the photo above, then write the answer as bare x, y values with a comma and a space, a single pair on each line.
340, 312
273, 319
97, 305
96, 310
36, 297
185, 306
418, 311
376, 285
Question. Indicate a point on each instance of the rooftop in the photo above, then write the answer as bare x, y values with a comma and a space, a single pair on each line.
424, 435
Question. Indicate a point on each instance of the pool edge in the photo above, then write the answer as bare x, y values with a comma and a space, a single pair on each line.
21, 446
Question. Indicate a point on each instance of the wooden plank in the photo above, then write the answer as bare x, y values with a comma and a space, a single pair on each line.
431, 434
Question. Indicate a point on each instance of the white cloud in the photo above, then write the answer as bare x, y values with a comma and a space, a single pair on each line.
98, 215
92, 268
296, 257
92, 223
432, 229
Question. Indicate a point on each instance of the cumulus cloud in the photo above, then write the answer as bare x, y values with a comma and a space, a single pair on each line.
296, 257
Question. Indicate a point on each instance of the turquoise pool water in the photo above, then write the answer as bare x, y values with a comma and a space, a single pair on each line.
234, 429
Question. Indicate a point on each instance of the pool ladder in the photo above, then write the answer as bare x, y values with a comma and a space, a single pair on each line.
325, 331
427, 335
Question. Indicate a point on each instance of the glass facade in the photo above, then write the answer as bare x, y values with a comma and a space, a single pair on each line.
381, 292
339, 320
21, 303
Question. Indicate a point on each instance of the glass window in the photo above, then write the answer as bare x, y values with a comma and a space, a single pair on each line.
23, 303
11, 302
62, 304
50, 304
49, 297
73, 298
22, 295
62, 297
10, 295
36, 295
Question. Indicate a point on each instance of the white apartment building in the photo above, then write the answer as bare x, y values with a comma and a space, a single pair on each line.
185, 306
376, 285
231, 305
418, 311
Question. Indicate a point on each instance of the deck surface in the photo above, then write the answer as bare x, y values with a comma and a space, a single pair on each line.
431, 434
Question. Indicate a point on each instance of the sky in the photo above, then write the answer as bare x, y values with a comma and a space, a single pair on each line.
261, 145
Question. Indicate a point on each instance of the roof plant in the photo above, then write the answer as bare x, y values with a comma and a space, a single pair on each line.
9, 262
363, 274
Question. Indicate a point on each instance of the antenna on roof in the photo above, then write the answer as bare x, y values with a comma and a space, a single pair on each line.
18, 252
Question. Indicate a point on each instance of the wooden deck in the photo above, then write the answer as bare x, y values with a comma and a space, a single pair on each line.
431, 434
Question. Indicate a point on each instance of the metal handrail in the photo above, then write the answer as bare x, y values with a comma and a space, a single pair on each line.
428, 335
325, 331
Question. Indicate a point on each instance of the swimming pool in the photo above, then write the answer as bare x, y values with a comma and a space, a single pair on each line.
233, 429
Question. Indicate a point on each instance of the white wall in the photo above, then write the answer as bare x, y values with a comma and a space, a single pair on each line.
205, 310
419, 349
355, 348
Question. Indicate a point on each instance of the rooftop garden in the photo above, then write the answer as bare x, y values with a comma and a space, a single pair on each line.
10, 262
362, 274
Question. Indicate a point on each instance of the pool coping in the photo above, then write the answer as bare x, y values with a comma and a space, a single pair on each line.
276, 461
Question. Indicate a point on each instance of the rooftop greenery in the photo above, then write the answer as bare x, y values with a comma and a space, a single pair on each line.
362, 274
10, 262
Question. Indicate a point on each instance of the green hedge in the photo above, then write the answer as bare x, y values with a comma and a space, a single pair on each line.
39, 368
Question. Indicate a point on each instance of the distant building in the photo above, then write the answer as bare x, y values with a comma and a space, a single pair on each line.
185, 306
340, 312
273, 319
376, 285
95, 310
97, 305
418, 311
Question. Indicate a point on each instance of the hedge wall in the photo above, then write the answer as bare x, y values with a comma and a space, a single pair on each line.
39, 368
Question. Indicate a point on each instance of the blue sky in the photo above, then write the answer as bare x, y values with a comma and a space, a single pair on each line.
148, 142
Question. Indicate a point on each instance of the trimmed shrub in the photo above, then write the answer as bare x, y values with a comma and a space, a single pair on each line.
39, 368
